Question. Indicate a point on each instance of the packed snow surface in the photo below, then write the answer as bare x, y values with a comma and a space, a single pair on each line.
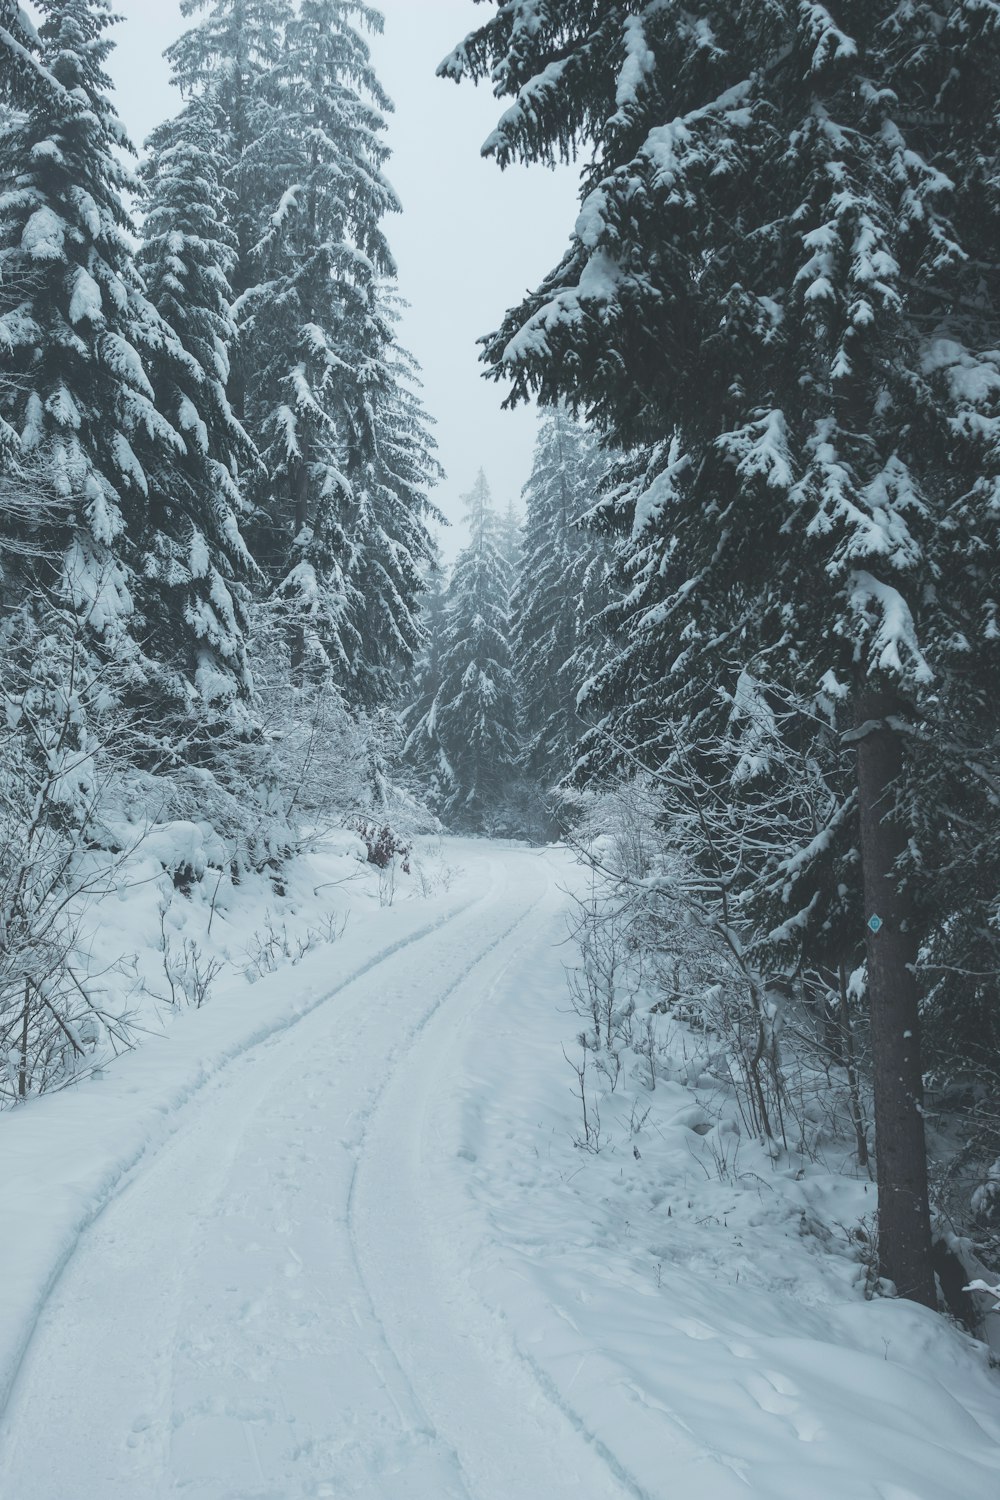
331, 1237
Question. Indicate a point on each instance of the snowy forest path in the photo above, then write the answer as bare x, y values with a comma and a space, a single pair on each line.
272, 1308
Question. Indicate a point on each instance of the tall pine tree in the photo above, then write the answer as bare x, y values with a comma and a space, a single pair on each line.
339, 512
227, 59
561, 587
766, 300
420, 694
186, 257
82, 338
471, 723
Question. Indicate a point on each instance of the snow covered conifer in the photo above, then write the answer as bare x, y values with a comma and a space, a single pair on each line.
765, 300
420, 693
186, 257
227, 59
24, 76
338, 512
340, 530
390, 546
510, 538
561, 585
472, 722
77, 328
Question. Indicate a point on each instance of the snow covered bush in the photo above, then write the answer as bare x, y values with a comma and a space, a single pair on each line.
383, 844
673, 904
63, 750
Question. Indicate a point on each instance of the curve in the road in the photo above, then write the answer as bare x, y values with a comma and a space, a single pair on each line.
223, 1329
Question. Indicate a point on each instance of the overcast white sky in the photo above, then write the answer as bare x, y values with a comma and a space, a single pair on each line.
470, 239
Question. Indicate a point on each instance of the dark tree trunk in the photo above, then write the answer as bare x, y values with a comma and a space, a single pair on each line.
904, 1215
298, 631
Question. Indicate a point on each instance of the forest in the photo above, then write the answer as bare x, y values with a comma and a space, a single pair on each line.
734, 652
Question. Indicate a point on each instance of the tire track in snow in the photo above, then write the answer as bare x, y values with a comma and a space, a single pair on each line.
227, 1142
400, 1057
543, 1447
149, 1147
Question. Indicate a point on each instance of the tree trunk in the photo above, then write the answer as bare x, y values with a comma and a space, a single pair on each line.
904, 1214
22, 1072
298, 630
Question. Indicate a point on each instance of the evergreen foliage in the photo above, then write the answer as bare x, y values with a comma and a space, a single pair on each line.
561, 587
228, 59
471, 722
419, 698
391, 548
81, 337
186, 257
781, 298
338, 524
24, 76
511, 540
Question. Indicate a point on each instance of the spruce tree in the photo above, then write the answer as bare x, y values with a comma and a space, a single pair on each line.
472, 721
390, 545
23, 74
186, 257
227, 59
561, 587
420, 695
314, 321
339, 512
510, 537
766, 301
79, 331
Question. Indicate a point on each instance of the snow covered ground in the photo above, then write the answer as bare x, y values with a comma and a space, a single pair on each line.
330, 1236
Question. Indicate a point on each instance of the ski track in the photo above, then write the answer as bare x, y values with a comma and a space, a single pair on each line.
269, 1307
171, 1112
528, 1443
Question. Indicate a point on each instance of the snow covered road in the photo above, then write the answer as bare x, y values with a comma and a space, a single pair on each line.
331, 1239
268, 1308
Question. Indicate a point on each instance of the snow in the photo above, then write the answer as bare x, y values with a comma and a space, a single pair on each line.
761, 450
659, 496
639, 63
85, 303
199, 557
44, 236
973, 378
330, 1236
126, 363
895, 638
829, 42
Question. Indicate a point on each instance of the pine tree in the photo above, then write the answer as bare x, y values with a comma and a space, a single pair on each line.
186, 257
765, 300
339, 512
227, 60
313, 322
420, 696
510, 537
24, 76
471, 722
80, 333
561, 586
391, 547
